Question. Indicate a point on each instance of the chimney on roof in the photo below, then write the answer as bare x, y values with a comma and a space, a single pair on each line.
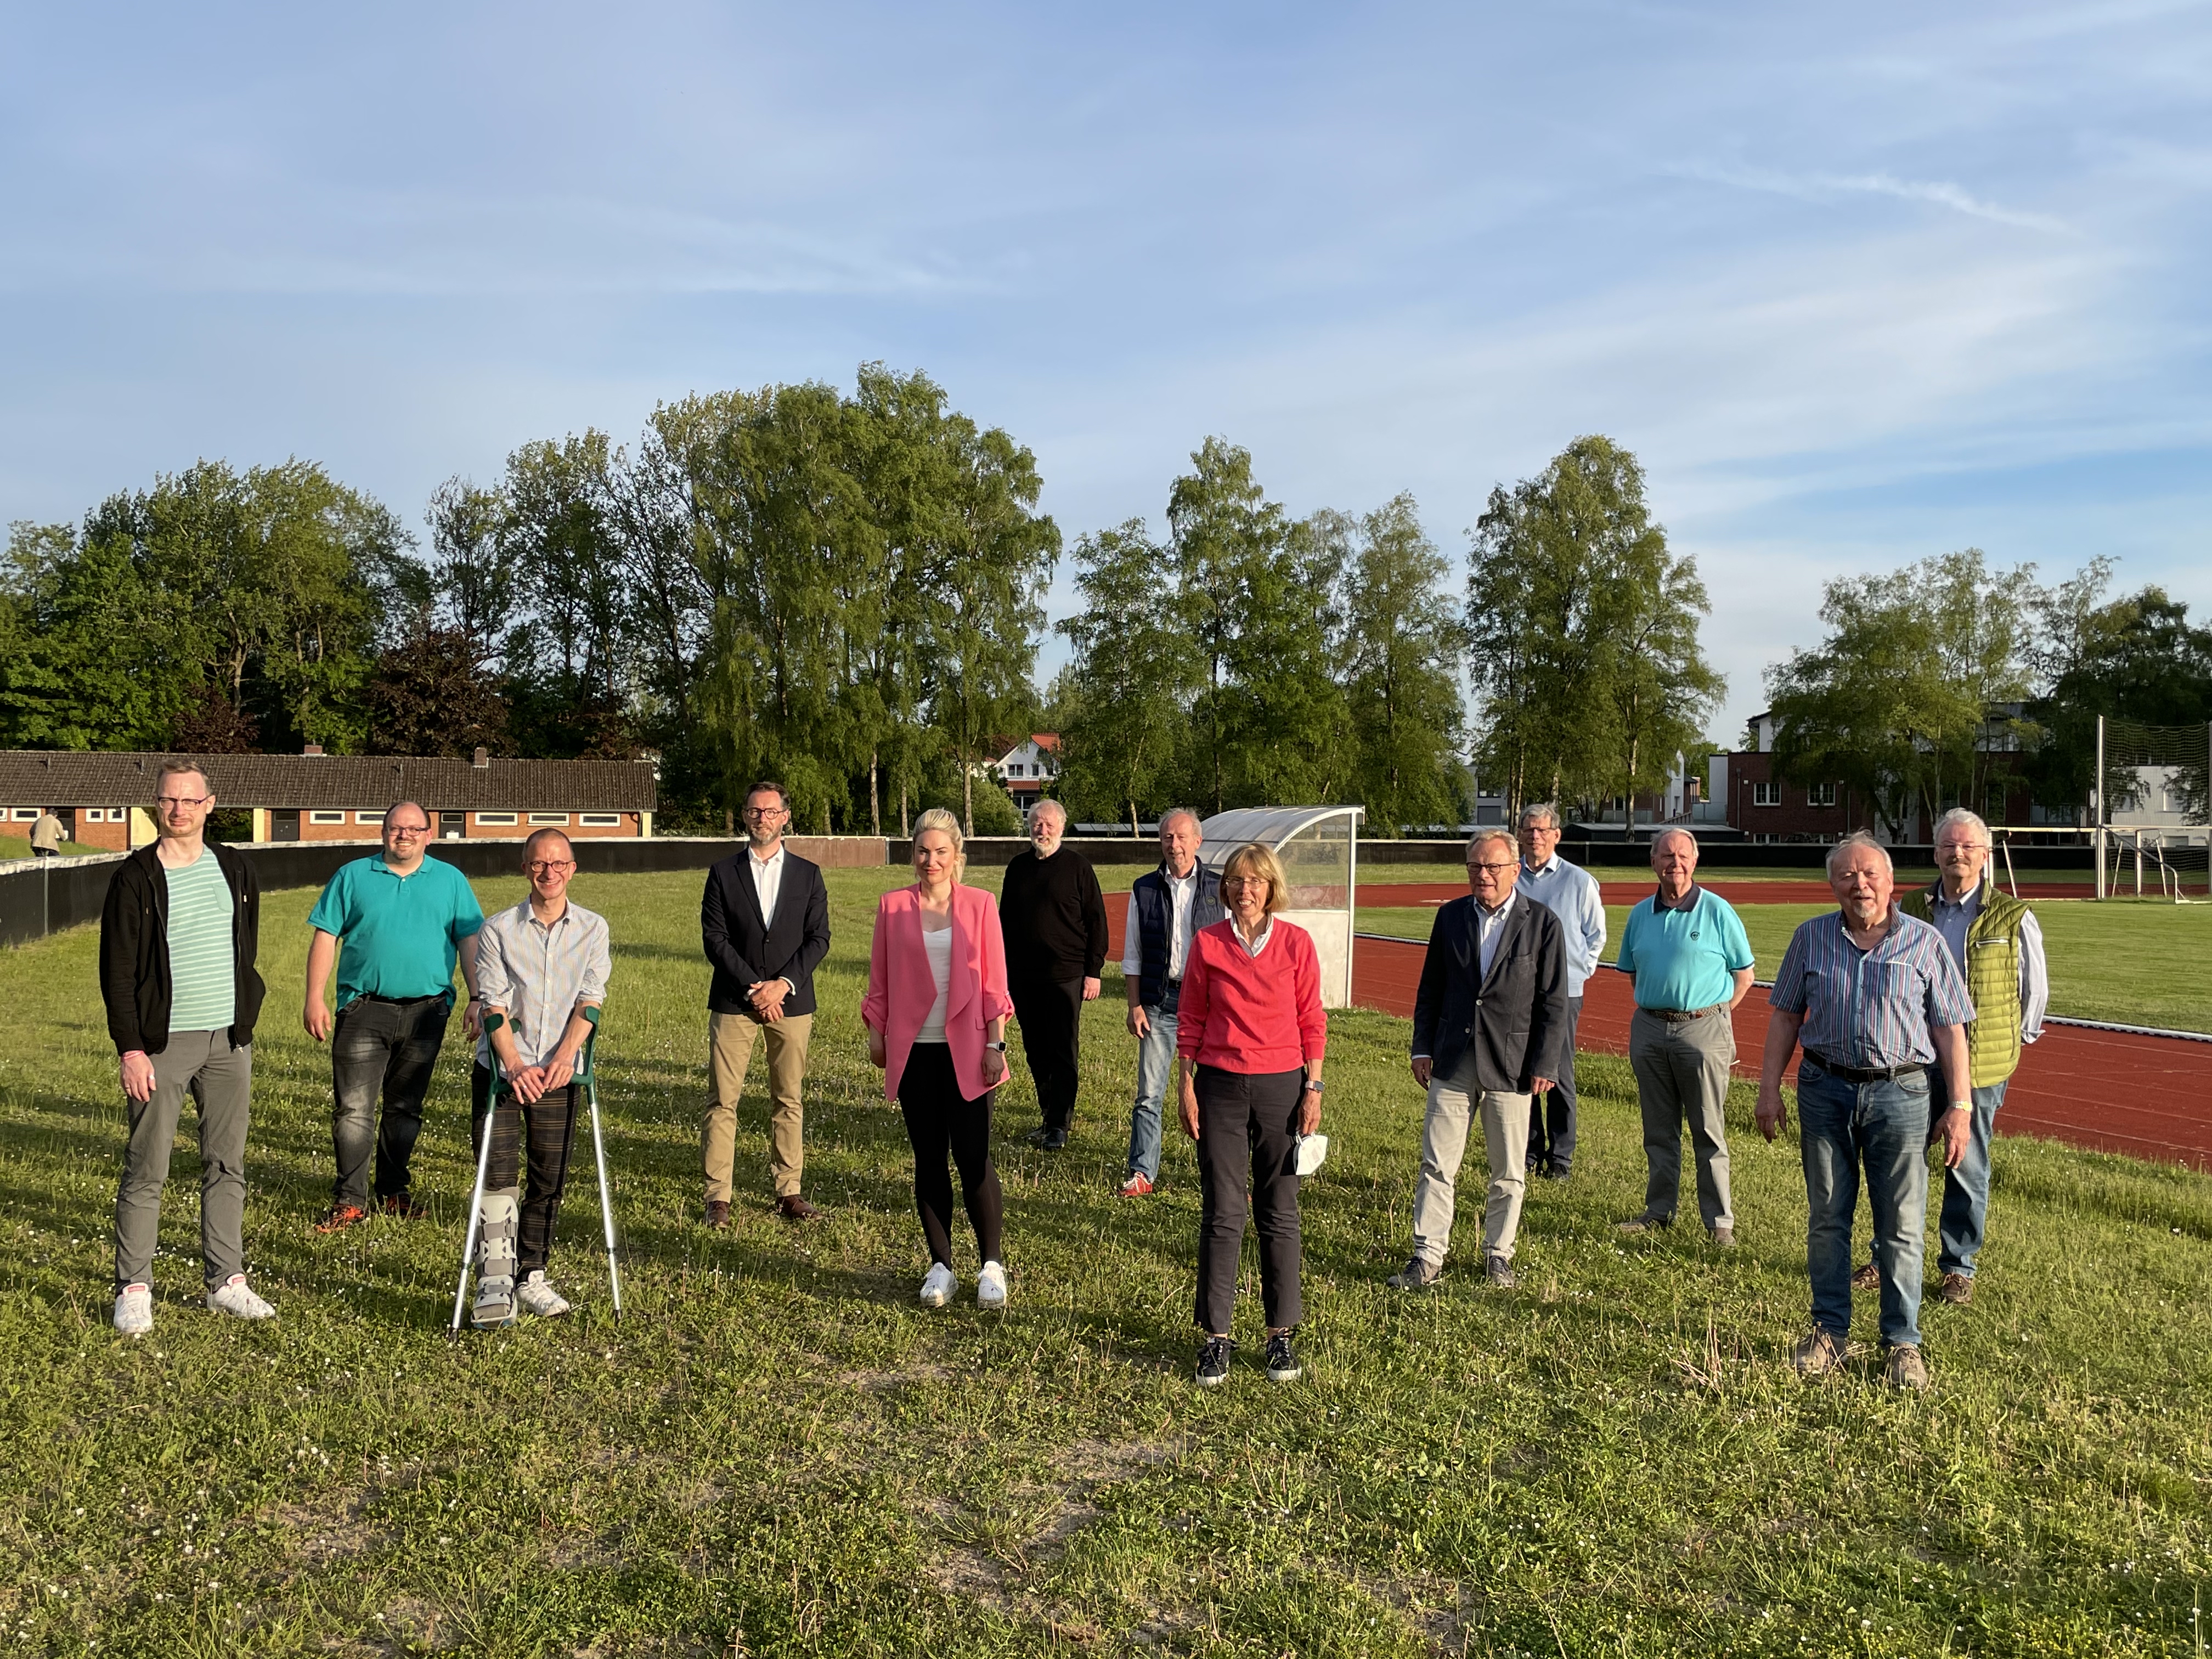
482, 759
312, 749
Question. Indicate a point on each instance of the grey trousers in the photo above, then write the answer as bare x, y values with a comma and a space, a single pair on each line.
1454, 1103
1682, 1071
220, 1080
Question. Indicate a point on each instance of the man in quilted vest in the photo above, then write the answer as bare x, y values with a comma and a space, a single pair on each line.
1998, 944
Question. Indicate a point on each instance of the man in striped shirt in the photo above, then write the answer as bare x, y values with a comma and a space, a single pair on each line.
1877, 1001
178, 938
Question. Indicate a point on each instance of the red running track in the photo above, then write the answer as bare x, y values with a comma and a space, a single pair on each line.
2112, 1091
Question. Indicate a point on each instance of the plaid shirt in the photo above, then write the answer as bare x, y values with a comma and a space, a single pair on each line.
1873, 1008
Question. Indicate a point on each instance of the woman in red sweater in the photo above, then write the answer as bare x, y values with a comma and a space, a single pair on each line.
1249, 1041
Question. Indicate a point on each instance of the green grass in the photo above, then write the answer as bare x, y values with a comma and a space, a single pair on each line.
778, 1452
2138, 962
19, 847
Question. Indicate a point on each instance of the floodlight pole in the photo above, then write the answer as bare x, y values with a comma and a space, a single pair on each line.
2097, 803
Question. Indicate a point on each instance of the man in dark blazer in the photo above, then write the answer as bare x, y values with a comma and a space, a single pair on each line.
765, 924
1490, 1022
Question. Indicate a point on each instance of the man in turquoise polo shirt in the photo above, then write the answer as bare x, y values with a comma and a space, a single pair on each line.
404, 921
1684, 950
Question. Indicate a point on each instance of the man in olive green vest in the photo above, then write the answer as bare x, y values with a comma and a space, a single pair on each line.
1998, 944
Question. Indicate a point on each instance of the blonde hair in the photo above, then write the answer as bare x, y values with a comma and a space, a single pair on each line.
937, 818
1253, 859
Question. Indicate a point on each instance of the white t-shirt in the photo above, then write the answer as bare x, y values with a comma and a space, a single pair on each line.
938, 942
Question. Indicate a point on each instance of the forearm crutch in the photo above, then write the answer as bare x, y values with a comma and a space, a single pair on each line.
476, 1197
600, 1156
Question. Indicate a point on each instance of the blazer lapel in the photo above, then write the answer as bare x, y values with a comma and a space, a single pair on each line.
965, 981
752, 892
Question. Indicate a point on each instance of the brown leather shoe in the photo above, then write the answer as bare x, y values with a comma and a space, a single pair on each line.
339, 1217
1868, 1277
1957, 1289
718, 1213
793, 1207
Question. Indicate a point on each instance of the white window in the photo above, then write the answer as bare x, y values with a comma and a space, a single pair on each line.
326, 817
369, 817
1766, 794
598, 820
24, 814
490, 820
102, 815
551, 820
1821, 794
1015, 770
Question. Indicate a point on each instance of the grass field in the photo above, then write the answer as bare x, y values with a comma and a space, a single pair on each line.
19, 847
2135, 961
778, 1452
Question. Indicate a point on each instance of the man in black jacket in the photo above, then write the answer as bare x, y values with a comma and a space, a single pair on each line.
765, 924
178, 938
1054, 918
1490, 1022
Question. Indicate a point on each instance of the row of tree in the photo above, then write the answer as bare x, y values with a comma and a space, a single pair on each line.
1954, 681
845, 591
1247, 657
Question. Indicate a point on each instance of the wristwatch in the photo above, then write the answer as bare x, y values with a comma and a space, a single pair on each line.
1313, 1085
996, 1047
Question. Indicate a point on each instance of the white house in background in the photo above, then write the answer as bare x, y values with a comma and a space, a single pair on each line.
1026, 767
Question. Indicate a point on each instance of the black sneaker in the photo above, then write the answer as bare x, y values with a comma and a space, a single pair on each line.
1213, 1361
1055, 1141
1282, 1358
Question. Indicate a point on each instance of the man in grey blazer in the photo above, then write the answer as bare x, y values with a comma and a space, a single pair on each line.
1490, 1025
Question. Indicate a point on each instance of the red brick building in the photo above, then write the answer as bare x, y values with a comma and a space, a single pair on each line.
105, 799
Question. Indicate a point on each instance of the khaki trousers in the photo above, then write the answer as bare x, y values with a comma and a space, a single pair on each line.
1452, 1103
729, 1051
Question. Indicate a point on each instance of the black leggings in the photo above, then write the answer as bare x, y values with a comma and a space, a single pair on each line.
941, 1120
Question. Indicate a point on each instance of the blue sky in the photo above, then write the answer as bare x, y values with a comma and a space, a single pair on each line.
1857, 289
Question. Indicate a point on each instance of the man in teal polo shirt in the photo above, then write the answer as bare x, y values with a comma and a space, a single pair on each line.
1685, 950
404, 921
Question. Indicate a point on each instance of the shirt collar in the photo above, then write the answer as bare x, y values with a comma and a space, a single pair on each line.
1167, 874
1972, 897
1543, 869
1503, 905
1689, 899
760, 863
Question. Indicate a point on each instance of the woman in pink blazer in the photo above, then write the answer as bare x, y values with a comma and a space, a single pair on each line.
935, 1012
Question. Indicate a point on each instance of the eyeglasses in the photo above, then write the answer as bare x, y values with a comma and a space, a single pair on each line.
182, 800
1491, 866
764, 811
406, 829
549, 867
1244, 881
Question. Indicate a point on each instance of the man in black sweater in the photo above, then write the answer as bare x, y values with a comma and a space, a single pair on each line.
1054, 920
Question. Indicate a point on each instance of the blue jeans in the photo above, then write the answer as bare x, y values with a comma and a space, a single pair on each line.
1883, 1126
1156, 1053
1966, 1189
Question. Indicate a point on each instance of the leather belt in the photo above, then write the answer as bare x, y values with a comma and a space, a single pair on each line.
1679, 1016
399, 1002
1864, 1073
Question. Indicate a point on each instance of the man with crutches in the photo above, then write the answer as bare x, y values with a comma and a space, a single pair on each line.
542, 969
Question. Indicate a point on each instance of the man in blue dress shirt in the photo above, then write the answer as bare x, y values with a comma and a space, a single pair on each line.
1877, 1001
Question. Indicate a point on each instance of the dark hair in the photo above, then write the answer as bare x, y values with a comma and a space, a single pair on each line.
177, 769
770, 787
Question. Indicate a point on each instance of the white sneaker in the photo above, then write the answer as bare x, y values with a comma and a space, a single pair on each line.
539, 1297
991, 1285
235, 1296
937, 1289
134, 1311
